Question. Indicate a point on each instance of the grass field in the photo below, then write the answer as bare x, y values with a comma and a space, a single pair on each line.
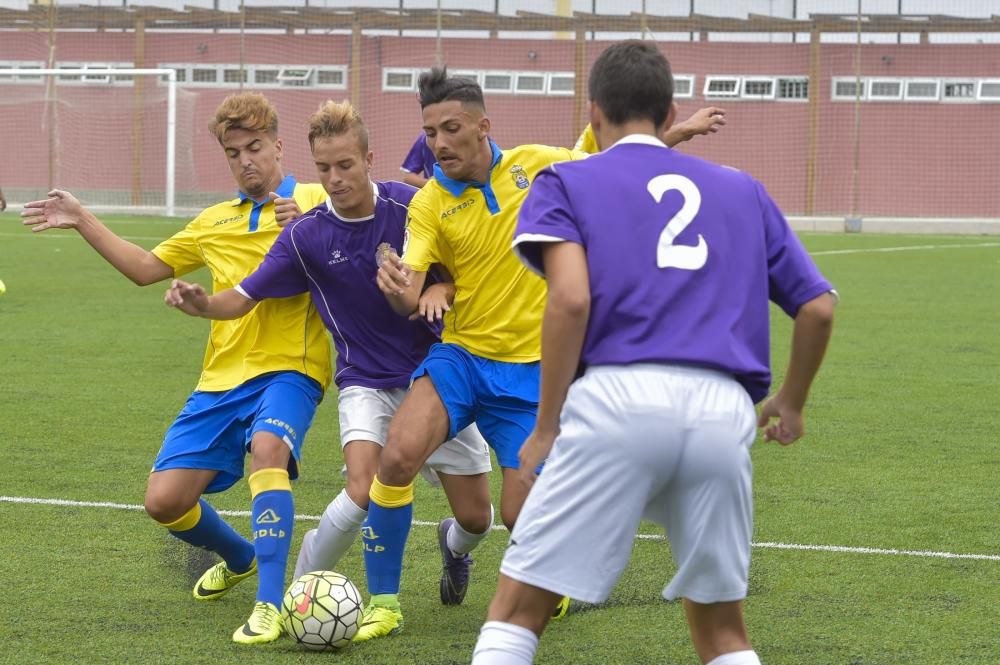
901, 454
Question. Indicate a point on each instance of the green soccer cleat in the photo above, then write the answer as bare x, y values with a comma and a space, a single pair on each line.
561, 608
218, 580
378, 621
263, 626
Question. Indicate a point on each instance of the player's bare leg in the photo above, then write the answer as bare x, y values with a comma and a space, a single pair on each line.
272, 517
469, 497
419, 427
516, 619
324, 546
717, 629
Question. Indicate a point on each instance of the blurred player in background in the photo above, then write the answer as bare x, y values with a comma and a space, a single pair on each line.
486, 369
3, 201
331, 253
659, 269
418, 165
708, 120
263, 375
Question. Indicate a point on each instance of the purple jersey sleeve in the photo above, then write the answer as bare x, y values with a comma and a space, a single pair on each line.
546, 216
793, 279
420, 159
280, 274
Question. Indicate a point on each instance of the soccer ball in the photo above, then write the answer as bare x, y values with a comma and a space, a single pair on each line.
322, 610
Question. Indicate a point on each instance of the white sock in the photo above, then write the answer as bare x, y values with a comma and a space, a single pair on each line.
502, 643
461, 541
323, 548
736, 658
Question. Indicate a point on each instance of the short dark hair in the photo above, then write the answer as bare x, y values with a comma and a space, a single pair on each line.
436, 86
631, 80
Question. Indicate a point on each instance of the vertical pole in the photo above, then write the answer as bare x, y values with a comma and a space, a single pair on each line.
50, 97
171, 141
579, 83
243, 34
437, 43
812, 138
138, 112
356, 62
856, 171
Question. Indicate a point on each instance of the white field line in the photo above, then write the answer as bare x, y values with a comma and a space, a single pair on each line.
500, 527
64, 235
904, 248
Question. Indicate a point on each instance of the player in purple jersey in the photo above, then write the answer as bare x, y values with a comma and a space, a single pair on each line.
659, 268
418, 165
331, 252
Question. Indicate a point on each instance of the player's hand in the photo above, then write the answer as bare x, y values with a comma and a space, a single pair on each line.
189, 298
393, 275
285, 209
534, 451
790, 425
434, 302
61, 210
708, 120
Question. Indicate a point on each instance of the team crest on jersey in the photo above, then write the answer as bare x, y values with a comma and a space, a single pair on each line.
520, 177
337, 256
383, 252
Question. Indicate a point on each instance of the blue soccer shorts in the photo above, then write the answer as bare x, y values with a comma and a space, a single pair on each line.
214, 429
500, 397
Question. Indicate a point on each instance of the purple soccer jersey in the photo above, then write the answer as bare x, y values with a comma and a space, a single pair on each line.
420, 159
335, 260
683, 256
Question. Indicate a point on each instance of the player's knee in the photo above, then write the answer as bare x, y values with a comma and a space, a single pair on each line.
165, 508
399, 463
359, 486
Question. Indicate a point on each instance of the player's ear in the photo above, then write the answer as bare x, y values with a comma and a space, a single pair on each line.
484, 128
671, 117
277, 149
369, 160
594, 114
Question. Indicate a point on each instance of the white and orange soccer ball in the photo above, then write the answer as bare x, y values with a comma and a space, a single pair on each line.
322, 610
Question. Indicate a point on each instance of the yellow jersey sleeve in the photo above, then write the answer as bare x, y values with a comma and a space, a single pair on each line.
422, 242
180, 251
587, 141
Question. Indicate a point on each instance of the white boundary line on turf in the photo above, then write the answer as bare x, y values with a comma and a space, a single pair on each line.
903, 248
500, 527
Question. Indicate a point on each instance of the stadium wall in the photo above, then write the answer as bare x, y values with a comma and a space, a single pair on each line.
928, 159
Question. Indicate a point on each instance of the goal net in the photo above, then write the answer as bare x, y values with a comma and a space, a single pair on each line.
108, 135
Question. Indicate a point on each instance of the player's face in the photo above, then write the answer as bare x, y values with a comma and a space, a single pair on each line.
456, 134
254, 159
344, 171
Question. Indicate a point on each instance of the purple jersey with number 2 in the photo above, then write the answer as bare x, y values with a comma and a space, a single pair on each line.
335, 260
683, 256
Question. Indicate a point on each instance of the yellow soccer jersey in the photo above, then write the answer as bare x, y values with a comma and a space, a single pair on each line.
587, 141
468, 228
280, 334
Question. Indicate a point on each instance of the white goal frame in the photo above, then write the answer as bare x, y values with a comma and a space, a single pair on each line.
171, 74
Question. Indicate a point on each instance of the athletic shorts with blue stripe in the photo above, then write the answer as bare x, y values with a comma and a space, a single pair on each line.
500, 397
214, 429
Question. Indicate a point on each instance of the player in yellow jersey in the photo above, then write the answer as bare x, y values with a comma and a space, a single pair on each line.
708, 120
486, 368
263, 374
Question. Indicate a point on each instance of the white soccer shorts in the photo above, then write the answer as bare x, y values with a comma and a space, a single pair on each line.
365, 414
667, 443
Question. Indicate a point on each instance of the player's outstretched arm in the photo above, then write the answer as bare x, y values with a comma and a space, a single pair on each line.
63, 211
704, 121
564, 326
810, 336
285, 209
416, 179
401, 284
194, 301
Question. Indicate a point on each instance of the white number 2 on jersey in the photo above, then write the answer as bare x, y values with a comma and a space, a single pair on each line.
669, 255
